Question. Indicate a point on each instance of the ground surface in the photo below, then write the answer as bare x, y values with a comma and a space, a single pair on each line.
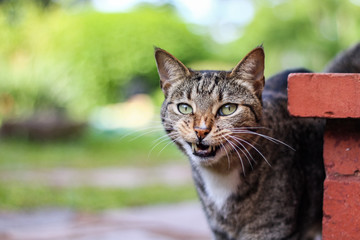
92, 189
184, 221
178, 221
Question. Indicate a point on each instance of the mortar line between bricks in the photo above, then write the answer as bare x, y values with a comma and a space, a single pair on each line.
337, 176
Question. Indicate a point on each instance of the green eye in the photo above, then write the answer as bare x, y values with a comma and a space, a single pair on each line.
185, 108
227, 109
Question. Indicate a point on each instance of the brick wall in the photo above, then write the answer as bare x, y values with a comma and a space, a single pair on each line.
337, 98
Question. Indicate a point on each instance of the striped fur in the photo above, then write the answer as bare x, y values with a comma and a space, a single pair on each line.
262, 175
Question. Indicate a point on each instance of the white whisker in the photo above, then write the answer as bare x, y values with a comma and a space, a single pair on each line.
155, 130
227, 155
240, 158
164, 136
240, 139
253, 127
271, 139
158, 128
172, 141
159, 142
244, 152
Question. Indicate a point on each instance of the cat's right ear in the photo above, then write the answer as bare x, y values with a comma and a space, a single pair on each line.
251, 69
170, 69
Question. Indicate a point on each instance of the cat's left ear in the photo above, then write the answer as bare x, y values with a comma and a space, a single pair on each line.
251, 69
171, 70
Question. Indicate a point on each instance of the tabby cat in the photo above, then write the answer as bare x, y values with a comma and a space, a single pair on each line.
258, 171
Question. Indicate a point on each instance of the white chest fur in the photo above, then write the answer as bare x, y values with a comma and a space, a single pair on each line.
218, 186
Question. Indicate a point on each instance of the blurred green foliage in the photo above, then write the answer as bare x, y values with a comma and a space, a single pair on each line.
22, 196
91, 150
78, 60
298, 33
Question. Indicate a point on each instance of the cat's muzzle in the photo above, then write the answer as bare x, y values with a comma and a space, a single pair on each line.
202, 150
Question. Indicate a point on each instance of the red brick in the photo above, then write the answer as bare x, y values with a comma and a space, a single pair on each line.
341, 208
342, 146
329, 95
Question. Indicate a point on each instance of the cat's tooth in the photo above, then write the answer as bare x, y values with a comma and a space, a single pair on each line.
194, 147
210, 149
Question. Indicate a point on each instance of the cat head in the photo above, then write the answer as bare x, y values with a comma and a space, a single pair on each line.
204, 112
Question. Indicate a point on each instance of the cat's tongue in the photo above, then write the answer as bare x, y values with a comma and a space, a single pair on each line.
202, 150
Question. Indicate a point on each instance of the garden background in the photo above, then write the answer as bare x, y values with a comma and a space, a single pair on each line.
79, 89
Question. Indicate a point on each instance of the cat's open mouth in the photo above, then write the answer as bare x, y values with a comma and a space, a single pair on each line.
202, 150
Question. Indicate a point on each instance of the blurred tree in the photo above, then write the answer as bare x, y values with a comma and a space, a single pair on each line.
77, 60
47, 3
298, 33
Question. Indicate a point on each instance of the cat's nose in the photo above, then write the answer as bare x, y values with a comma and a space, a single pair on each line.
201, 132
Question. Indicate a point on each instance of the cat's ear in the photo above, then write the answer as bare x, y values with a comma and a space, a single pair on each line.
251, 69
170, 69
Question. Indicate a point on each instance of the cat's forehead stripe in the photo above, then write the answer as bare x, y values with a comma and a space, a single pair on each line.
209, 86
189, 93
207, 83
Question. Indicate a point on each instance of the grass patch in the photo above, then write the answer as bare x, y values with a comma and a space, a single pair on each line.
90, 151
18, 196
